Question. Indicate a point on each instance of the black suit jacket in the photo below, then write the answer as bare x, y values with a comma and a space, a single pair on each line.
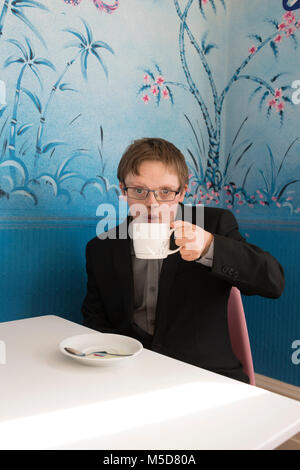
191, 314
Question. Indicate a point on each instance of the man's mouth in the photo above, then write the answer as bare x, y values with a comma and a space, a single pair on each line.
153, 219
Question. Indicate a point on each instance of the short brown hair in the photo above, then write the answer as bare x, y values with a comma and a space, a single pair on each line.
152, 149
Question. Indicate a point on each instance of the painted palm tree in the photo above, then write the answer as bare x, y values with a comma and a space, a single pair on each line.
16, 7
100, 182
213, 174
28, 61
86, 47
212, 3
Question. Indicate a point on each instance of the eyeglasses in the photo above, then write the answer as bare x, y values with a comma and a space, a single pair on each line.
142, 193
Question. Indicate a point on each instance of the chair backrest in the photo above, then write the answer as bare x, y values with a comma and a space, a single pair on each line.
239, 333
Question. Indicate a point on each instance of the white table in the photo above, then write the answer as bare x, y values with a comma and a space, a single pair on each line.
49, 401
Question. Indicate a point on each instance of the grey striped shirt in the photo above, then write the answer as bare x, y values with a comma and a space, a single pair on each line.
146, 274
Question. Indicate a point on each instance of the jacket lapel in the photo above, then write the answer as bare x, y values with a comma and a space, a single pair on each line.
123, 267
167, 275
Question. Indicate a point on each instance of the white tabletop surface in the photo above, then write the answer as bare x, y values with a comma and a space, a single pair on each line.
153, 402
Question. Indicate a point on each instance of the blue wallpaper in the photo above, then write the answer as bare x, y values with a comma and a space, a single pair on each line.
80, 80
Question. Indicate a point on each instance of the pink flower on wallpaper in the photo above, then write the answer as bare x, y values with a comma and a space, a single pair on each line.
291, 20
290, 31
281, 26
146, 99
280, 106
165, 93
154, 90
274, 198
298, 24
156, 84
278, 38
289, 17
252, 49
275, 103
98, 4
160, 80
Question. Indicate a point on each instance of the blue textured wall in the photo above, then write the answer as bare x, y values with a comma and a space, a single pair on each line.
274, 325
81, 82
44, 268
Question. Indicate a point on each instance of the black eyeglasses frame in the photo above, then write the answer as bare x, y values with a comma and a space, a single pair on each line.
152, 191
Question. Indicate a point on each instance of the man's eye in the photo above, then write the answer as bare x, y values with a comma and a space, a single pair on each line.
139, 190
165, 191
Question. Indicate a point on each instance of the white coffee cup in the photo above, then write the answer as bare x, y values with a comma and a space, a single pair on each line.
152, 240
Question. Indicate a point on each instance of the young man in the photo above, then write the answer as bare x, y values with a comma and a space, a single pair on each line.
176, 306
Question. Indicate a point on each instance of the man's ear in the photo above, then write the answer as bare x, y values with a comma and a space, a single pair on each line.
121, 185
182, 193
123, 196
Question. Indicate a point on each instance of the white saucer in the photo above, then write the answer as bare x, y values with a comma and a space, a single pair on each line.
90, 342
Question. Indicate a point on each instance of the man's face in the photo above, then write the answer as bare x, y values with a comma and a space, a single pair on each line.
154, 175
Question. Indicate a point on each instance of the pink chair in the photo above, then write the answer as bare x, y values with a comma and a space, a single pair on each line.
238, 333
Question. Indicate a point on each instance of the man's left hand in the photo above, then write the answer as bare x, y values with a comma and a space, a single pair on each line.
193, 240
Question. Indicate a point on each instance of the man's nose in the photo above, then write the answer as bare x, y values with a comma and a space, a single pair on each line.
151, 200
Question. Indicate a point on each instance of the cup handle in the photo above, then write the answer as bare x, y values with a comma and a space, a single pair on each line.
171, 252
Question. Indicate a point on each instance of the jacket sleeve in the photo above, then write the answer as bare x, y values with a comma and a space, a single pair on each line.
92, 308
246, 266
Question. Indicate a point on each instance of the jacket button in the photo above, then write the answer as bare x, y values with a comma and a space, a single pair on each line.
224, 269
231, 271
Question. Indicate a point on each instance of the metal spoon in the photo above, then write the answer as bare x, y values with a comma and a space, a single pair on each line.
75, 352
